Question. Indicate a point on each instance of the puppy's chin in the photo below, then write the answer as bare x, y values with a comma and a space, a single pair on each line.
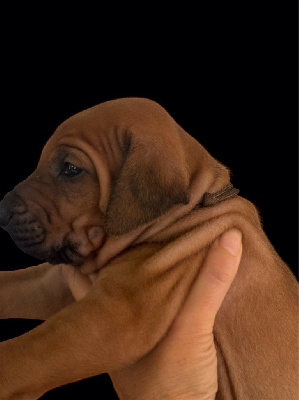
65, 253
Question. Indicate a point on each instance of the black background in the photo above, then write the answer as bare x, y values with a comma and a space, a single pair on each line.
227, 74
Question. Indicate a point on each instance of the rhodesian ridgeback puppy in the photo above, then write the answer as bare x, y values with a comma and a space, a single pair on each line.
123, 191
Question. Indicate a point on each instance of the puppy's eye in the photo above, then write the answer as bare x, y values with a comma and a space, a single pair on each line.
70, 170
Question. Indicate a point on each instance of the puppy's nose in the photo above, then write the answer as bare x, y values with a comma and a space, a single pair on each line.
10, 205
5, 215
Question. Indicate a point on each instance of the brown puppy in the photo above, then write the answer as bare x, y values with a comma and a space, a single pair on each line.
122, 189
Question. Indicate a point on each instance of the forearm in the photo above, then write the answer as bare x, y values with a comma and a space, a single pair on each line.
33, 293
80, 341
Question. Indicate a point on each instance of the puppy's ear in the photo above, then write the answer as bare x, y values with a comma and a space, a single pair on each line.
150, 182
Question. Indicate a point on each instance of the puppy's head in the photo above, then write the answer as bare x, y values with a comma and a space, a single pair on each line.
106, 171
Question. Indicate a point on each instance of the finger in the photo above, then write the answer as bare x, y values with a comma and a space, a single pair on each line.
213, 282
79, 283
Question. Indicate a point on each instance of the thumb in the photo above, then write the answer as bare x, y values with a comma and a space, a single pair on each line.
78, 283
213, 281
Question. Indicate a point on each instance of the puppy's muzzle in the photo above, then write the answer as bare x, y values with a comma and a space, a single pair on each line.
23, 227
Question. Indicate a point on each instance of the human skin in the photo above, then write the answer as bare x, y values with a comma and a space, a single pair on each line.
184, 363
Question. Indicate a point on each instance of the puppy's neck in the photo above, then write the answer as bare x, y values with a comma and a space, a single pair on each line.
161, 229
114, 245
181, 218
111, 248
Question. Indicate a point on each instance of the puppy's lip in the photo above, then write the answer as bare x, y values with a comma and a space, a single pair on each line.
66, 258
25, 230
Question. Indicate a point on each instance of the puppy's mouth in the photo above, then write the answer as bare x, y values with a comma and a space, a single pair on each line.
26, 231
30, 236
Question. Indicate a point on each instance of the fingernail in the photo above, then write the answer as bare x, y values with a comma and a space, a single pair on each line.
231, 241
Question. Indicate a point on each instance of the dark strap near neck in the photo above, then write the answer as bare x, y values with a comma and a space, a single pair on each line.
210, 199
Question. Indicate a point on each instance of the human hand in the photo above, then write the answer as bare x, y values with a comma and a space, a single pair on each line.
184, 364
